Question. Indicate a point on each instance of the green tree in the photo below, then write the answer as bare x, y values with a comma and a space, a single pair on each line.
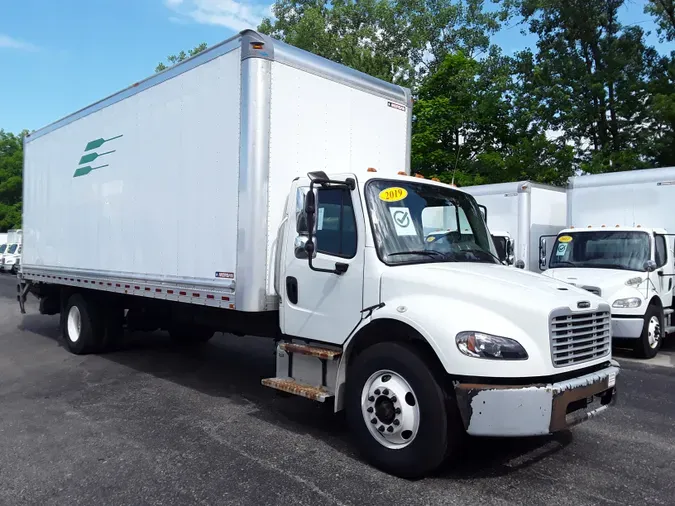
470, 127
395, 40
664, 12
11, 179
590, 80
177, 58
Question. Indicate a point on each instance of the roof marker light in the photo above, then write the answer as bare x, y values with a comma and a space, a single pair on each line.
401, 173
257, 45
371, 169
420, 176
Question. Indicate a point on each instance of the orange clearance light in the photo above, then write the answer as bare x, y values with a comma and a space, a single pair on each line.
603, 226
401, 173
370, 169
436, 179
419, 176
589, 226
639, 226
618, 226
257, 45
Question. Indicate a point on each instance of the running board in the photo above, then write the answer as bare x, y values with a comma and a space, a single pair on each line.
310, 351
670, 330
668, 311
291, 386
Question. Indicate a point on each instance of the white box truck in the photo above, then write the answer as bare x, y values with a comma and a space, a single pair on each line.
291, 172
11, 256
518, 214
619, 245
3, 244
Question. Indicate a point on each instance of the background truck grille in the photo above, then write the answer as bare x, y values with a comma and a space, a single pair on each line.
579, 337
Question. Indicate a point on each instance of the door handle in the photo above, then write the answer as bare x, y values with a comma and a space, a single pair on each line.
292, 289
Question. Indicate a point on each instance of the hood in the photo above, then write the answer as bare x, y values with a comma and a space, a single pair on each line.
447, 298
501, 288
606, 281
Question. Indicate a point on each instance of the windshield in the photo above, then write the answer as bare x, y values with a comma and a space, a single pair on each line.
601, 250
500, 246
3, 248
419, 222
12, 248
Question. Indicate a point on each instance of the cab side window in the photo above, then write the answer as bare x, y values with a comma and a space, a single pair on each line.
335, 223
660, 253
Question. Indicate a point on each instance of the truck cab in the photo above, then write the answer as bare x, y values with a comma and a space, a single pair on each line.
504, 246
11, 258
632, 268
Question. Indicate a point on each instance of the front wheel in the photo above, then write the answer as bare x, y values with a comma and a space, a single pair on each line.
398, 411
650, 341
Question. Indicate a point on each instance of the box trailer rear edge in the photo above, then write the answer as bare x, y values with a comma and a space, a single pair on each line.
258, 52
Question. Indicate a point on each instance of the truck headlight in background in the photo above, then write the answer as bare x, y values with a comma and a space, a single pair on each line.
630, 302
482, 345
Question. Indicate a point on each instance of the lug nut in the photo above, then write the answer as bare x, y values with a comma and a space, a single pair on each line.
371, 398
370, 409
381, 428
377, 392
390, 429
393, 399
397, 411
373, 421
396, 422
385, 391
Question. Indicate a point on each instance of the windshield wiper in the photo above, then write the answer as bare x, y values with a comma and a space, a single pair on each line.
483, 251
427, 252
563, 262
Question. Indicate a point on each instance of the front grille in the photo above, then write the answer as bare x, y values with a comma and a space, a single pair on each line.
579, 337
593, 289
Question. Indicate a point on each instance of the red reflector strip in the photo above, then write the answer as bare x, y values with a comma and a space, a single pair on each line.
118, 285
137, 287
170, 292
158, 290
109, 284
183, 293
127, 286
195, 295
209, 296
225, 298
147, 288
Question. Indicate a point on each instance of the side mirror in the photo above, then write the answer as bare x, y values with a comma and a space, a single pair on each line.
649, 266
542, 254
520, 264
510, 257
483, 212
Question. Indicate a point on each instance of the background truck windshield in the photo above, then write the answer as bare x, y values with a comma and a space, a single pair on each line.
3, 247
417, 222
601, 250
12, 248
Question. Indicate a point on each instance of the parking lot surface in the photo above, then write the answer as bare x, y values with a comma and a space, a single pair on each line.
155, 423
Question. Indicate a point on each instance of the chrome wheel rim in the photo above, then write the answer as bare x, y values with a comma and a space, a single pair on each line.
74, 324
390, 409
654, 332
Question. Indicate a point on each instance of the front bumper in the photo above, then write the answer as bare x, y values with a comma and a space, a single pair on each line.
532, 410
627, 328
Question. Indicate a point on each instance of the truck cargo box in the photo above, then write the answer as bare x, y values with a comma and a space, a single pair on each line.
175, 187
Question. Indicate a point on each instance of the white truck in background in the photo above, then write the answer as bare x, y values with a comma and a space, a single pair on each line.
11, 256
3, 244
292, 171
619, 245
518, 214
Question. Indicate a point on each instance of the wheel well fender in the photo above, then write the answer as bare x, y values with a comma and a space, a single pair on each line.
376, 331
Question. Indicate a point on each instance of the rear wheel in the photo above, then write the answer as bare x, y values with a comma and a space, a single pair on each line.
402, 420
81, 325
650, 341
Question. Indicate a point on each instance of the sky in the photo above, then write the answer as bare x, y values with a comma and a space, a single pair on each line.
58, 56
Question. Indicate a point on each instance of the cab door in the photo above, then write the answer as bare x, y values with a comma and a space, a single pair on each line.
323, 306
665, 267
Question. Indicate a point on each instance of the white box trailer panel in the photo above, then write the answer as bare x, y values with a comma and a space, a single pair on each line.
632, 198
526, 211
180, 180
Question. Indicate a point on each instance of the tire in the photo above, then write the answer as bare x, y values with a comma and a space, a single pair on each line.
190, 334
650, 341
81, 325
419, 395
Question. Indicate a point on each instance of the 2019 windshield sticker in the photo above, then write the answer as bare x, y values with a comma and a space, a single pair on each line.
87, 158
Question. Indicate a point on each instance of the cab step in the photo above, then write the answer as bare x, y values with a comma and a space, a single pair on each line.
291, 386
311, 351
670, 330
668, 311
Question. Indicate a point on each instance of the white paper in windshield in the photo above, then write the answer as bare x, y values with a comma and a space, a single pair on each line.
403, 223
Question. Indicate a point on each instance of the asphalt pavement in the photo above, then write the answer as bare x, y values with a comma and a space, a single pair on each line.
159, 424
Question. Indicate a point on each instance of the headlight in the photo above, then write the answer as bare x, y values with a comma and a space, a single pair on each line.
481, 345
630, 302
